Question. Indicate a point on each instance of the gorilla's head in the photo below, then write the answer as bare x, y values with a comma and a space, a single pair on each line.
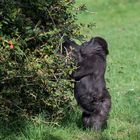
95, 45
79, 52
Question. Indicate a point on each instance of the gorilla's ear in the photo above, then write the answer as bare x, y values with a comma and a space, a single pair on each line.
102, 42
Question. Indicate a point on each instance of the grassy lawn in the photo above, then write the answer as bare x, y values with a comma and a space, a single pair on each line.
119, 23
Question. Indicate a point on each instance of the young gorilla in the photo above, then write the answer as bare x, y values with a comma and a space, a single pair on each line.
90, 88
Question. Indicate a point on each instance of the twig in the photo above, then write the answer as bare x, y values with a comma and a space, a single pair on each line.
41, 121
90, 12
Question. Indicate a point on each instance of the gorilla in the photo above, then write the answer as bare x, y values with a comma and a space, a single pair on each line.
90, 87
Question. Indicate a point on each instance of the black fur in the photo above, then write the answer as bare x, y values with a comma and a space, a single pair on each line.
90, 87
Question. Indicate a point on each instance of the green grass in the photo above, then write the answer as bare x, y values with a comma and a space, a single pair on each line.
118, 22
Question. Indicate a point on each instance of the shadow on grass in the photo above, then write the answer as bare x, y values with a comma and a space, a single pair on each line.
73, 118
11, 127
23, 129
79, 123
51, 137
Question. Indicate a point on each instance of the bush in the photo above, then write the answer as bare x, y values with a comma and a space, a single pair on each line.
33, 72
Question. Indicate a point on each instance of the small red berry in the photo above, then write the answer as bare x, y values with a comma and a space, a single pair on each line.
11, 46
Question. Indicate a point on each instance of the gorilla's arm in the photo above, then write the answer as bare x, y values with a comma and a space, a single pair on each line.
73, 47
69, 43
93, 64
86, 67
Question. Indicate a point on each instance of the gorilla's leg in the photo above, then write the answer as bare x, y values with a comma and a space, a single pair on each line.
86, 119
93, 121
98, 119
